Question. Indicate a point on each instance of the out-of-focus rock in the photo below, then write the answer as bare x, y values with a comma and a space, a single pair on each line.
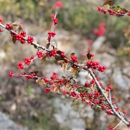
7, 124
98, 43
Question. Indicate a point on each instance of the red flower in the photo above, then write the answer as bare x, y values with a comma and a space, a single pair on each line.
19, 37
129, 124
52, 34
90, 103
128, 13
30, 39
40, 54
11, 74
9, 26
53, 16
84, 99
92, 81
108, 112
109, 88
27, 61
111, 128
1, 19
125, 112
32, 57
47, 90
101, 30
55, 21
23, 33
74, 58
87, 84
90, 41
53, 53
20, 65
64, 92
58, 5
99, 9
62, 53
22, 41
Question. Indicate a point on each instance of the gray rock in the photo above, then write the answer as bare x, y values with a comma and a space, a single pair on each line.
7, 124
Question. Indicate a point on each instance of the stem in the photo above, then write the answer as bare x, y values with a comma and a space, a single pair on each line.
107, 99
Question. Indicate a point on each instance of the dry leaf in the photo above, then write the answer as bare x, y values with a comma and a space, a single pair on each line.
43, 59
69, 90
14, 40
40, 81
55, 89
64, 66
16, 23
60, 62
1, 29
67, 84
47, 45
72, 54
109, 2
74, 71
92, 88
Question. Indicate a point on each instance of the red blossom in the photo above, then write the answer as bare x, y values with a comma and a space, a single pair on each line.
117, 108
125, 112
46, 80
23, 33
90, 95
27, 61
1, 19
55, 20
20, 65
11, 74
87, 84
64, 92
90, 41
53, 16
52, 34
40, 54
74, 58
73, 94
62, 53
111, 128
84, 99
30, 39
22, 41
53, 53
109, 88
32, 57
128, 13
99, 9
108, 112
96, 94
101, 30
90, 103
19, 75
18, 37
9, 26
58, 5
129, 124
92, 81
47, 90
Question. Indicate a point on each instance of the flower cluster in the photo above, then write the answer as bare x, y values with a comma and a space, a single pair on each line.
1, 19
96, 66
91, 91
58, 5
113, 10
101, 30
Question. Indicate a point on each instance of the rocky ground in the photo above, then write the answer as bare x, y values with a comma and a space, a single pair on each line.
25, 100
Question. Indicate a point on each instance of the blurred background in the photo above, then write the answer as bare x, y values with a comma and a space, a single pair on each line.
25, 102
